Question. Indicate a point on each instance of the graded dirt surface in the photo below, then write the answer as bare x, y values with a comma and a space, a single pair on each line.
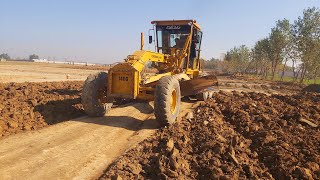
43, 72
233, 136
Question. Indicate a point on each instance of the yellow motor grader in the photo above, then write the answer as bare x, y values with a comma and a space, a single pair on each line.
163, 76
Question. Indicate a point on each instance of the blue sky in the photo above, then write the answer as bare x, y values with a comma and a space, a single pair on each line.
107, 31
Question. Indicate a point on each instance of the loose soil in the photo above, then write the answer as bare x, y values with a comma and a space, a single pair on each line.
31, 106
237, 135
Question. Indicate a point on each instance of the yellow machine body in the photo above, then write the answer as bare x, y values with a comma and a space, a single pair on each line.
129, 79
125, 81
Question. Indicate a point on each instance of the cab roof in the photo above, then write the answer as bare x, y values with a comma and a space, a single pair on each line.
176, 22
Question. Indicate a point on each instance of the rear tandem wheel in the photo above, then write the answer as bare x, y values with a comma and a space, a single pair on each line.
93, 96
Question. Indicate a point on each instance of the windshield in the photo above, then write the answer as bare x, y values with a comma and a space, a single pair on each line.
171, 37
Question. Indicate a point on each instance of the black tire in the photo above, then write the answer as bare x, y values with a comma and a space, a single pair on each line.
94, 88
166, 87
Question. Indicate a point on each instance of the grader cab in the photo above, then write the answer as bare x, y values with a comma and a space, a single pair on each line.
180, 38
163, 76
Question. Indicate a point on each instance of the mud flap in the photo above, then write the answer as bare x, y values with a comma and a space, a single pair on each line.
198, 85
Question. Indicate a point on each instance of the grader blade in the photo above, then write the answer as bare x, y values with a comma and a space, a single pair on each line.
198, 85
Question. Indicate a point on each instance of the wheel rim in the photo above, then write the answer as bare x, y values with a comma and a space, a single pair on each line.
173, 101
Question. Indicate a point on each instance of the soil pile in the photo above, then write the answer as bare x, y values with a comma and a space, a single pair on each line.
233, 136
30, 106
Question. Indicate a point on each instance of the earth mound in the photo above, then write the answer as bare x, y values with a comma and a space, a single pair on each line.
31, 106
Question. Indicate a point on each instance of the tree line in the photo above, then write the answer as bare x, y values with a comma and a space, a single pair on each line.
297, 43
7, 57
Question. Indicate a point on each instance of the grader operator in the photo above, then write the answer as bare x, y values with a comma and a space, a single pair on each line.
176, 72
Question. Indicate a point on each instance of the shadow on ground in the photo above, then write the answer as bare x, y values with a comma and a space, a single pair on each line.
54, 112
63, 91
125, 122
57, 111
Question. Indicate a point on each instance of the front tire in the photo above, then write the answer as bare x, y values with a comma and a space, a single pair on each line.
167, 100
94, 93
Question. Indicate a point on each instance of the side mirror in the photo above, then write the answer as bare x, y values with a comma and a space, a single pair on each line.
150, 39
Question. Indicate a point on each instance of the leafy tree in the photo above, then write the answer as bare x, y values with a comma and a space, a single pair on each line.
277, 45
261, 55
210, 64
33, 56
4, 56
288, 47
270, 52
214, 64
306, 34
238, 58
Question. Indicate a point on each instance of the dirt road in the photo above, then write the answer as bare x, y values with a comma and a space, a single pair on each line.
80, 148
